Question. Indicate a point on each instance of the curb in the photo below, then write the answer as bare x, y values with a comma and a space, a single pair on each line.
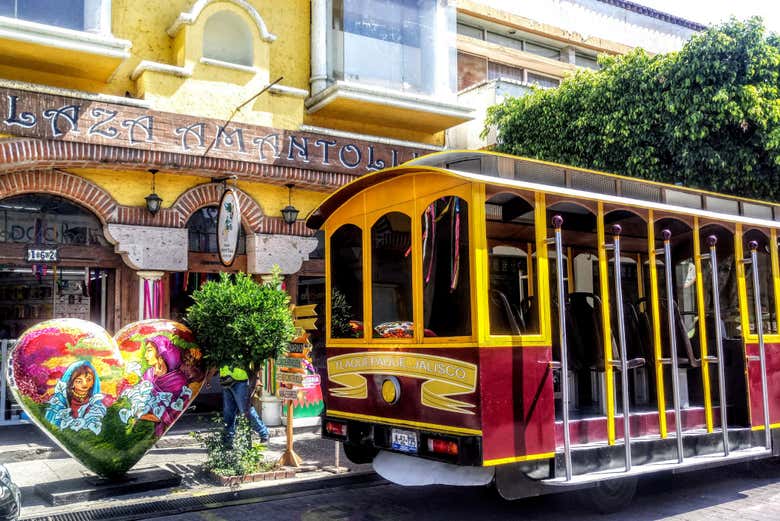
146, 508
35, 451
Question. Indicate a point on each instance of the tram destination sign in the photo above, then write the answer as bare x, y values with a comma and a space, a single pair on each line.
37, 254
54, 117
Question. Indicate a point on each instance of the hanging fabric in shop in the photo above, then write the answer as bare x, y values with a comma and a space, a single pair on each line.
153, 290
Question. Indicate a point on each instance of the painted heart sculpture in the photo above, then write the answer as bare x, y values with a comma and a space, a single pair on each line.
106, 400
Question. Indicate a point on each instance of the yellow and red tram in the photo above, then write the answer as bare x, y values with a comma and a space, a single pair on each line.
496, 316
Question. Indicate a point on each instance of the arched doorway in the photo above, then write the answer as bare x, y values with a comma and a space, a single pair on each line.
203, 260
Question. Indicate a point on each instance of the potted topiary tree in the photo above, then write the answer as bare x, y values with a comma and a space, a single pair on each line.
240, 323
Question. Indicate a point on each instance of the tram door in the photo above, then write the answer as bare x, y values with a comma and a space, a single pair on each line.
717, 245
630, 229
584, 309
677, 285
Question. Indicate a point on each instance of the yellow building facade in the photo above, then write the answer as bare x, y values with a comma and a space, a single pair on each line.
105, 103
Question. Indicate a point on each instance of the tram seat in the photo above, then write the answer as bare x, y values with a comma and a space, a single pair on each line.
528, 309
586, 309
574, 360
504, 319
685, 354
638, 345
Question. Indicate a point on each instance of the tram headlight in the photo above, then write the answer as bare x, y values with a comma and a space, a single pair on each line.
391, 390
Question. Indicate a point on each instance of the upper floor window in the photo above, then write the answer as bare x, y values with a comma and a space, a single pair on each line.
504, 41
405, 35
68, 14
499, 70
542, 81
590, 62
227, 38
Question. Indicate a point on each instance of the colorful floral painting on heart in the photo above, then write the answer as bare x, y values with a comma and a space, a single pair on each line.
106, 400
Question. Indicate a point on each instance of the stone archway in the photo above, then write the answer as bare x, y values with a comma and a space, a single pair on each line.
209, 194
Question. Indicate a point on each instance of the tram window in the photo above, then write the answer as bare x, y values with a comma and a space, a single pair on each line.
765, 281
512, 264
391, 275
346, 269
446, 284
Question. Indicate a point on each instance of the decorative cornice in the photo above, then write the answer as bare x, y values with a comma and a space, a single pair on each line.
37, 88
289, 91
164, 68
189, 18
20, 154
368, 137
60, 38
386, 97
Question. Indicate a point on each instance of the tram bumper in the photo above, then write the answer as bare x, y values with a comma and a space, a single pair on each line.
374, 438
411, 471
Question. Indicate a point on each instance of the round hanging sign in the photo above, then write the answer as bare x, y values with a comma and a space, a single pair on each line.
228, 226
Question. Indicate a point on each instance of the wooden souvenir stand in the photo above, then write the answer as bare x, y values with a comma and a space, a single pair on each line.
291, 374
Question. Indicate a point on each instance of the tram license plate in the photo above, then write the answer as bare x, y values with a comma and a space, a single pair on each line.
404, 441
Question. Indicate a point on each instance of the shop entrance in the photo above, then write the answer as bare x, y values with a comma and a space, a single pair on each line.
203, 265
54, 263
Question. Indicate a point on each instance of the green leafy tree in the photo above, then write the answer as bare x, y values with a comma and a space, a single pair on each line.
707, 116
240, 323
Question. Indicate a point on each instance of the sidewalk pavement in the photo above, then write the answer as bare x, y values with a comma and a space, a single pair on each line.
31, 459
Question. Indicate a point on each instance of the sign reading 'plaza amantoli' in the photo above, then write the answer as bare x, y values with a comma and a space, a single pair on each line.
46, 116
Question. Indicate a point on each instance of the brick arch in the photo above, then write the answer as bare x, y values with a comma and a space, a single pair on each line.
18, 154
73, 187
209, 194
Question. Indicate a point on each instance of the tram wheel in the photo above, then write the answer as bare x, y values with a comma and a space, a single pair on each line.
609, 496
359, 454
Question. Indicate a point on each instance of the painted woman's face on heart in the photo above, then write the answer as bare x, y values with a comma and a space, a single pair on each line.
106, 400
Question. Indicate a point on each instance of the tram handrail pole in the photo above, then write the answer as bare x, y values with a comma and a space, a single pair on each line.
753, 245
667, 235
557, 222
616, 229
713, 241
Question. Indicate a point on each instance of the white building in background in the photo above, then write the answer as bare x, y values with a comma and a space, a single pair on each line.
506, 47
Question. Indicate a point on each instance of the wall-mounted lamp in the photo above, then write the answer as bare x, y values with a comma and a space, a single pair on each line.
289, 212
153, 201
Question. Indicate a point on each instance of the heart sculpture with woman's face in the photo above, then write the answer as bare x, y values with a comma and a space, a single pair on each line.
106, 400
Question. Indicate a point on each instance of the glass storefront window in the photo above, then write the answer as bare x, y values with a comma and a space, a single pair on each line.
48, 219
445, 259
346, 275
406, 34
202, 232
391, 275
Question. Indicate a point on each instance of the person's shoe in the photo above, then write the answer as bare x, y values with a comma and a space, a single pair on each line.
264, 439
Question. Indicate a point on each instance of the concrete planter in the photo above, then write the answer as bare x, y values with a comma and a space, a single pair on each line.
227, 481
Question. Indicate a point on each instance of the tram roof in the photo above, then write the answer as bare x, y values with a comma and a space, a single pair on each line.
507, 170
